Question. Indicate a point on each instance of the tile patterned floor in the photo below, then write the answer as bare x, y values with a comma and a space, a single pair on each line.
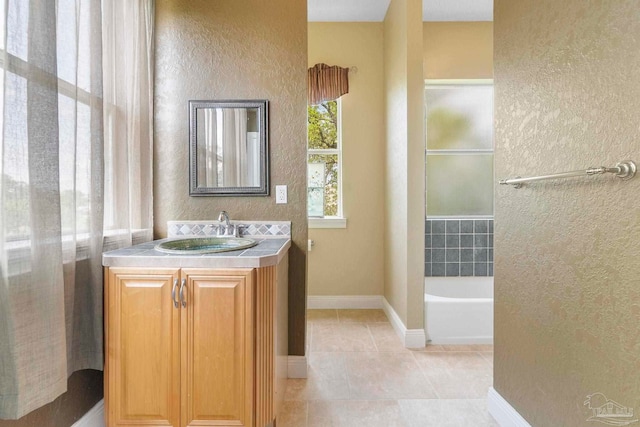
361, 375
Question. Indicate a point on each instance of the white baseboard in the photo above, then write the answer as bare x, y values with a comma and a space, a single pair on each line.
344, 301
412, 338
503, 412
297, 367
93, 418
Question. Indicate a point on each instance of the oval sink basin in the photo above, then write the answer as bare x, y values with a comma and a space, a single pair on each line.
204, 245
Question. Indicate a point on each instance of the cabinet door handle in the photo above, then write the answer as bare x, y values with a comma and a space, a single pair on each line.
182, 286
173, 293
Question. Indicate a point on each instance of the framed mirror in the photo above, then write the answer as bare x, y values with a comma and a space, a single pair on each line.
228, 148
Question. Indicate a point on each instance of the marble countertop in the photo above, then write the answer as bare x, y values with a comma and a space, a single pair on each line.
268, 252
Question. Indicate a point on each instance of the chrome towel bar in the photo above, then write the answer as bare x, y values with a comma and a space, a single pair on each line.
624, 170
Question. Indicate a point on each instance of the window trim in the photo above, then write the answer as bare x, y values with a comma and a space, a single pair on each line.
453, 82
339, 220
20, 248
19, 251
328, 222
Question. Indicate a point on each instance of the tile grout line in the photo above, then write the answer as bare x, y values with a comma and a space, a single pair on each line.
485, 359
372, 338
435, 391
346, 371
306, 415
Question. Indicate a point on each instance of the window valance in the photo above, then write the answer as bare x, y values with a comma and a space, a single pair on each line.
326, 83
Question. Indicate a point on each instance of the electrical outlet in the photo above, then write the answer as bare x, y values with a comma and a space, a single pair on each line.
281, 194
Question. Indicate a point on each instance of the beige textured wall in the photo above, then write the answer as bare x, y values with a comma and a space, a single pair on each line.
458, 50
350, 261
567, 275
235, 50
404, 178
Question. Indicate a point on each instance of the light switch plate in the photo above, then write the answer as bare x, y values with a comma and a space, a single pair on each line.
281, 194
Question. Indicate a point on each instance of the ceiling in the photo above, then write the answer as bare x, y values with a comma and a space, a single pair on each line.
374, 10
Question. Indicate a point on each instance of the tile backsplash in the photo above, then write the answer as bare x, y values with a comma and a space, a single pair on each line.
248, 228
458, 247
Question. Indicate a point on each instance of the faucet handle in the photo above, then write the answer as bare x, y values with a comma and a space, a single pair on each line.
230, 230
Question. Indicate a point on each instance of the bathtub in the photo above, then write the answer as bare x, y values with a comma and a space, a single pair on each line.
459, 310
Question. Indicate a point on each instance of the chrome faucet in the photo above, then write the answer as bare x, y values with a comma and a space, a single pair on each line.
224, 216
225, 228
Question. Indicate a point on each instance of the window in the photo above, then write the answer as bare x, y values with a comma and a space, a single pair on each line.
459, 148
324, 156
71, 76
55, 86
76, 77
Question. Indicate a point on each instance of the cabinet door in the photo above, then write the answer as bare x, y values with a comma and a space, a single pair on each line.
143, 348
217, 348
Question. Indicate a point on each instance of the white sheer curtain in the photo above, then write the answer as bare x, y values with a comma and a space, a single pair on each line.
75, 170
128, 94
207, 150
234, 146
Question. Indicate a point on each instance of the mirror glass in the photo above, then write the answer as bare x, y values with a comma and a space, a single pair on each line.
228, 148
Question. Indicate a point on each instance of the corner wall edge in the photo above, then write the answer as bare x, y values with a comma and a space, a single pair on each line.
93, 418
297, 367
503, 412
411, 338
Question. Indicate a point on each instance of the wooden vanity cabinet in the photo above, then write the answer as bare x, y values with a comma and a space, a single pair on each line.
201, 358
